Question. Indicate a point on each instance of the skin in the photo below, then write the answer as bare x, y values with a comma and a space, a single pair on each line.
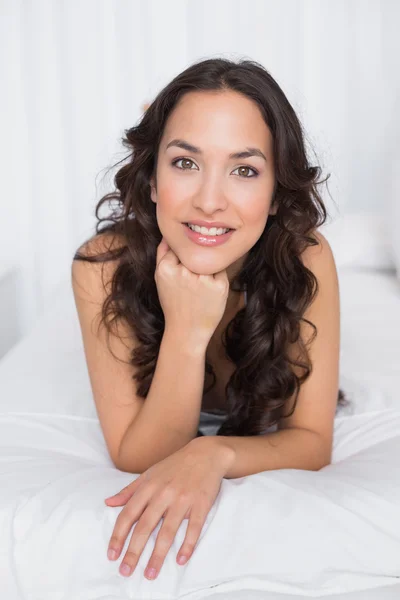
211, 186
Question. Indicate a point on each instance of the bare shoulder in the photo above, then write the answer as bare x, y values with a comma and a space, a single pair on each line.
320, 256
320, 260
99, 244
87, 276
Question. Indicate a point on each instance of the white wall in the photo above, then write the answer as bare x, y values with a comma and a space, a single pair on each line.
76, 74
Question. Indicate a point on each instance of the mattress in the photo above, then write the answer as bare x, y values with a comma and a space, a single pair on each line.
280, 534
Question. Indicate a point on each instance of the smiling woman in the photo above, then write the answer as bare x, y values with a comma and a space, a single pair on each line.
174, 286
245, 168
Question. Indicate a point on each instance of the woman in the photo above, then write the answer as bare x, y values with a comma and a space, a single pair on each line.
220, 147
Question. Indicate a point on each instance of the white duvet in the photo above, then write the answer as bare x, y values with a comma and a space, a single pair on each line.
275, 535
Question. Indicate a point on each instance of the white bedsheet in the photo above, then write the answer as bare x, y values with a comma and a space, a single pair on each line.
275, 535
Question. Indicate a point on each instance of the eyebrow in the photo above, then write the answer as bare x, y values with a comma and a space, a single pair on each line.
242, 154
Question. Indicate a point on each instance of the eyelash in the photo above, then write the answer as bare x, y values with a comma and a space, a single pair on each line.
241, 177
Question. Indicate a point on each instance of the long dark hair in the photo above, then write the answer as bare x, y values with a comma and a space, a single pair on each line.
279, 286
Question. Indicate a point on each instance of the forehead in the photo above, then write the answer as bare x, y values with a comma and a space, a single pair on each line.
227, 116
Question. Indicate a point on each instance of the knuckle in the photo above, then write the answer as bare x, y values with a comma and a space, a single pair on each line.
143, 527
164, 267
164, 541
115, 540
124, 521
185, 272
189, 545
202, 494
157, 560
220, 285
166, 533
196, 521
184, 497
126, 514
132, 556
167, 494
194, 529
203, 497
194, 533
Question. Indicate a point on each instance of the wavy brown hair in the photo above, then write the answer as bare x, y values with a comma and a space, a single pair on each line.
279, 286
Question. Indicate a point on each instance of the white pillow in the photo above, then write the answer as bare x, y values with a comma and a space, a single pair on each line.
360, 240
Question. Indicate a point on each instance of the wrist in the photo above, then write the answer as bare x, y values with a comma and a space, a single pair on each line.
183, 342
218, 446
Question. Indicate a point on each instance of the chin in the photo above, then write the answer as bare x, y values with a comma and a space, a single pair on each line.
203, 267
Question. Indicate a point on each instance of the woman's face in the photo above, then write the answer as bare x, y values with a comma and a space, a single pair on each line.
209, 185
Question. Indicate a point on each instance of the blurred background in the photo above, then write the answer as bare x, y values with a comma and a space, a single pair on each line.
75, 75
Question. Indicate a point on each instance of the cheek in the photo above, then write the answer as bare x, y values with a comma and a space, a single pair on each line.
256, 213
168, 212
167, 203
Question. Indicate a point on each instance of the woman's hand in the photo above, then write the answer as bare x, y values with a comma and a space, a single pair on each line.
192, 304
182, 486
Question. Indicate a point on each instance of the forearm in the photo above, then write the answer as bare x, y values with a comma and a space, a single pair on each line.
285, 449
169, 417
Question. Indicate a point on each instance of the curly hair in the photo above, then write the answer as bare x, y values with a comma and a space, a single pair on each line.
279, 286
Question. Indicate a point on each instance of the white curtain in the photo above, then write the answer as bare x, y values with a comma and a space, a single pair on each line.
75, 74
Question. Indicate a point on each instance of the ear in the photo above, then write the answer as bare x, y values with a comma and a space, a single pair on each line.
274, 205
273, 208
153, 193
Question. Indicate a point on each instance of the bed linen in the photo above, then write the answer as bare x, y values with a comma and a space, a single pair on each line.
280, 534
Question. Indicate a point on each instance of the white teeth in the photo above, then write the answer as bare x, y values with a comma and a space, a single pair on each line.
205, 231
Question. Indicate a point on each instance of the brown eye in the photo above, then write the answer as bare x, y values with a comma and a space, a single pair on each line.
184, 160
244, 168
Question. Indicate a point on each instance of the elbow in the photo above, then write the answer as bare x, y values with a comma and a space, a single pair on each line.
126, 469
325, 458
128, 465
328, 460
320, 453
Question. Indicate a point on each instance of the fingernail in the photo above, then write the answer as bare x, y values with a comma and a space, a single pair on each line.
125, 569
182, 560
111, 554
150, 573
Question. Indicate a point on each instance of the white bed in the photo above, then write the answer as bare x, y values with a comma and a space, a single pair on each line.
281, 535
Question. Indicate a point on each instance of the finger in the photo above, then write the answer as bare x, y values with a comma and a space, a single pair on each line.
164, 541
221, 275
165, 252
125, 494
124, 522
197, 519
162, 250
140, 536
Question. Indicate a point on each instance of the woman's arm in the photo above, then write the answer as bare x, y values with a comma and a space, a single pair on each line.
286, 449
305, 438
169, 417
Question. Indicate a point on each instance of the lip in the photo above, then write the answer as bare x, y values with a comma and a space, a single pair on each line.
207, 240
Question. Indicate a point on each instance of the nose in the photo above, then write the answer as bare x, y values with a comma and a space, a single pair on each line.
211, 197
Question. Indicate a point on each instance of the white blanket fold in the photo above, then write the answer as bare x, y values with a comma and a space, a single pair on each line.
286, 531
